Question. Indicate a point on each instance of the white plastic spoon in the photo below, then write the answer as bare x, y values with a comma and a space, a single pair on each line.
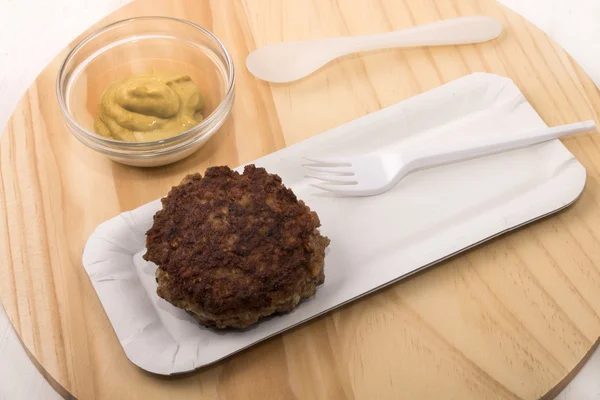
289, 61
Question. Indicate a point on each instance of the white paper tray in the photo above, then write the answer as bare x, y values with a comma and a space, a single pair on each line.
429, 216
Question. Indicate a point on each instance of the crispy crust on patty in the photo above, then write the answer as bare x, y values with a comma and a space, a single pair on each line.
232, 248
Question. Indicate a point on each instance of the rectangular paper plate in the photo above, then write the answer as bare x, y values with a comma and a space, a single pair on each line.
429, 216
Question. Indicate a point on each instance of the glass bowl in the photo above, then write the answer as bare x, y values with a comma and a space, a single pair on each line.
136, 46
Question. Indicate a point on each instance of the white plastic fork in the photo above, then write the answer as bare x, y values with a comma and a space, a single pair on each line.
374, 174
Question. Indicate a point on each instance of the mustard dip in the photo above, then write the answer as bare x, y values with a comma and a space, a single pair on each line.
149, 107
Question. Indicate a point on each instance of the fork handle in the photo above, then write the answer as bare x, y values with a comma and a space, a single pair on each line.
484, 145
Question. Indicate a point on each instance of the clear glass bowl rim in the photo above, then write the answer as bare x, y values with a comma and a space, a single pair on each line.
207, 122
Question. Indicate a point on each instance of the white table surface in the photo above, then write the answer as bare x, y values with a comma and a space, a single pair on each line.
29, 40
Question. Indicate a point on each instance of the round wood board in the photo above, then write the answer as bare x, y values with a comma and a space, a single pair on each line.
511, 319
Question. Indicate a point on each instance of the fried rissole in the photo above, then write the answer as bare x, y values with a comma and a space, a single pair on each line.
232, 248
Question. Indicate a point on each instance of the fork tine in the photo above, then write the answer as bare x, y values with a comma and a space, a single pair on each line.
331, 170
333, 188
330, 161
320, 187
340, 179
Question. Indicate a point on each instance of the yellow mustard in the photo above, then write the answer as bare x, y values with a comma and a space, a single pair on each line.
149, 107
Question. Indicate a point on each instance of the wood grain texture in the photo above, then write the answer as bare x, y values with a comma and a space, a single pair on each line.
509, 320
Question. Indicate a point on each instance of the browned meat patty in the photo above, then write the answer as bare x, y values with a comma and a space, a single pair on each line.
232, 248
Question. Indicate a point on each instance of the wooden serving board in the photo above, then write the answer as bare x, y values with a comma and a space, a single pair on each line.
511, 319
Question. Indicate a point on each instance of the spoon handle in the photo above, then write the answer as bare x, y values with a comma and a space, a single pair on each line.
453, 31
